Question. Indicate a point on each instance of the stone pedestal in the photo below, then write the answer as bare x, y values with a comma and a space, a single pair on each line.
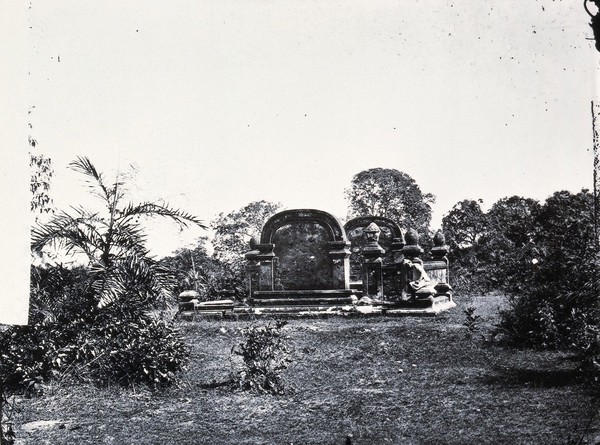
438, 267
252, 268
340, 256
265, 269
397, 245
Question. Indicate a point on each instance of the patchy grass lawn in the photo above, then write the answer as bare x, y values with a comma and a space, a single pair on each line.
379, 380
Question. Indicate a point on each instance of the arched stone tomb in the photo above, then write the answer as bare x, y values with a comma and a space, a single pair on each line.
302, 259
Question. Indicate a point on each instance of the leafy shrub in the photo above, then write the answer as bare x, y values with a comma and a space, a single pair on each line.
58, 315
547, 302
196, 270
471, 320
69, 336
7, 432
265, 356
144, 350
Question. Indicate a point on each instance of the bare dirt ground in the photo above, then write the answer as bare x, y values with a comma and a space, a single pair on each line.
361, 381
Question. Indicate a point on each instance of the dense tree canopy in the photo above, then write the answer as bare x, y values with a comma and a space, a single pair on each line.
515, 219
392, 194
231, 241
544, 256
466, 224
234, 230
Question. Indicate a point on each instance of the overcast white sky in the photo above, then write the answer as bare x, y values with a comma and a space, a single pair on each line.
220, 103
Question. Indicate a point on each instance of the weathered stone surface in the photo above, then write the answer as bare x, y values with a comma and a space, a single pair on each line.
303, 253
301, 265
302, 250
390, 239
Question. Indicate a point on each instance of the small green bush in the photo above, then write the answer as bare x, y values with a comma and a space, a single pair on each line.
7, 431
471, 320
265, 356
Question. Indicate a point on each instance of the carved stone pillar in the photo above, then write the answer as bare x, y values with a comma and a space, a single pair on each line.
252, 268
439, 252
397, 245
265, 274
372, 266
340, 256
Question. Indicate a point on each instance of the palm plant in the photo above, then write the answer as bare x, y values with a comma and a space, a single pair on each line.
113, 240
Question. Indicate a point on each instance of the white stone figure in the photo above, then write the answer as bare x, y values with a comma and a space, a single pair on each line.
418, 280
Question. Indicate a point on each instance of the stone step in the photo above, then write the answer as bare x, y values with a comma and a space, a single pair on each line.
282, 310
301, 301
302, 293
336, 297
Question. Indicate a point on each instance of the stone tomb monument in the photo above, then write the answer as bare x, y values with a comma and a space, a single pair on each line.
302, 263
302, 260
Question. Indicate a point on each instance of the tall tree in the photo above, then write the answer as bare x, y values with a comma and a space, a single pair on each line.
231, 241
466, 227
515, 219
392, 194
234, 230
465, 224
113, 240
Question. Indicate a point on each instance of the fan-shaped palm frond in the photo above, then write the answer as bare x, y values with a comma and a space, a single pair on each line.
139, 278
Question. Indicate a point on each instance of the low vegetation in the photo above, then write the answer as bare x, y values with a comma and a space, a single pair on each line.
360, 381
265, 355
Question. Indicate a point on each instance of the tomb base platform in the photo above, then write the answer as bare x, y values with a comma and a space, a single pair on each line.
309, 298
306, 305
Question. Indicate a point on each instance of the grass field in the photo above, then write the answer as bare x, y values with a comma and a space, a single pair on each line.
378, 380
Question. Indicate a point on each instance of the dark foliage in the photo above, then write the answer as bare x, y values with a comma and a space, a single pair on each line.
265, 356
544, 257
212, 278
556, 302
94, 322
494, 250
392, 194
68, 336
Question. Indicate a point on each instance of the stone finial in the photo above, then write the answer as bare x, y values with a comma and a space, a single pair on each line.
411, 237
372, 250
439, 239
372, 233
411, 249
253, 253
440, 249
